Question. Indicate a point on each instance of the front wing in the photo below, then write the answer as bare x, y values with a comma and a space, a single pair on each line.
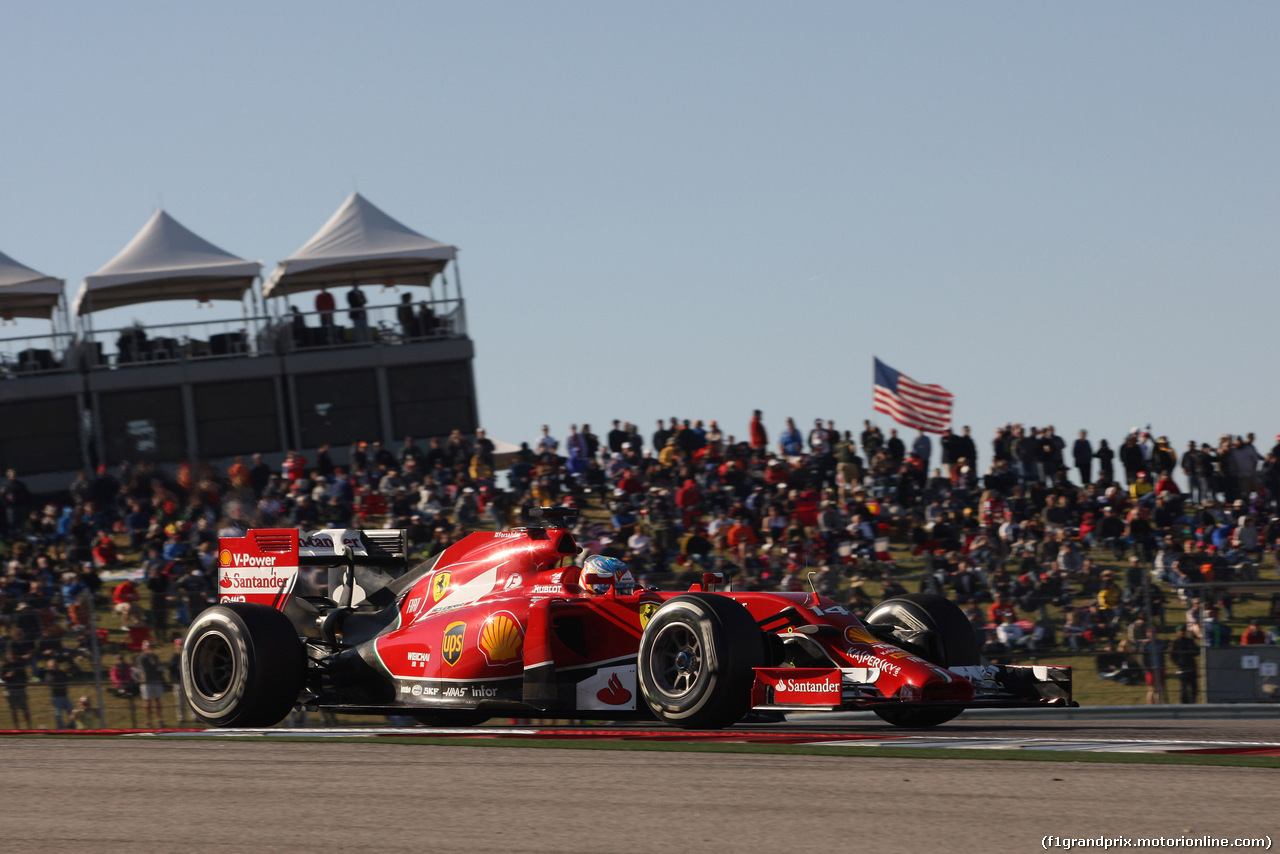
835, 689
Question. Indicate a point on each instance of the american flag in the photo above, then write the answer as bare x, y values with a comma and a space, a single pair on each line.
925, 407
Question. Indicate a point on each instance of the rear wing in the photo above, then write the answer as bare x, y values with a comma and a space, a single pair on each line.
260, 568
264, 566
377, 547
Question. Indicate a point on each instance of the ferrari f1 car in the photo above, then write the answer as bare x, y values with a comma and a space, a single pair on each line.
501, 624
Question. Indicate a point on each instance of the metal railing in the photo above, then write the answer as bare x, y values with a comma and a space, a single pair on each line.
230, 338
34, 354
384, 325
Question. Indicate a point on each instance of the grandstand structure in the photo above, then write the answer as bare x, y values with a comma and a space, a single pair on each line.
264, 379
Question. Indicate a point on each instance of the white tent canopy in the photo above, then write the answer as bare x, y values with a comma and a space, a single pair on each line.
25, 292
360, 245
166, 261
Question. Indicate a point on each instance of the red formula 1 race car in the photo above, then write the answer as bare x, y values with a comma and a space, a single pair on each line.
506, 624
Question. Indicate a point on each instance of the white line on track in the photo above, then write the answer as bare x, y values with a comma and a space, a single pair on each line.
1115, 745
1119, 745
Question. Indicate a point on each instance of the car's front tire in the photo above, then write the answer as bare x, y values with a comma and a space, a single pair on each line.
947, 641
696, 661
242, 665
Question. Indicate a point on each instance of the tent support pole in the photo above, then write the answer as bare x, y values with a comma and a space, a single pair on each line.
457, 289
250, 333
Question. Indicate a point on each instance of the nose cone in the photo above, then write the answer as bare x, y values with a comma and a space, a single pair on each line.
928, 683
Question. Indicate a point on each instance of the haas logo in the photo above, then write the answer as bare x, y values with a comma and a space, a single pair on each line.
613, 694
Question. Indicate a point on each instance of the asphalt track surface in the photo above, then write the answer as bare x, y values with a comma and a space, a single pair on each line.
146, 795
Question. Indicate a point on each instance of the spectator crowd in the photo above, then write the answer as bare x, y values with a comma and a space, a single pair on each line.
1047, 545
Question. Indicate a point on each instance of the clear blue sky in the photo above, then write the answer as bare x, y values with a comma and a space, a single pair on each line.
1063, 212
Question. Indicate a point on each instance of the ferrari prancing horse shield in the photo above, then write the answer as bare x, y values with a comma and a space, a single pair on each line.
439, 584
646, 612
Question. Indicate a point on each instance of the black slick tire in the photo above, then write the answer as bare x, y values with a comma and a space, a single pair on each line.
243, 665
946, 639
696, 661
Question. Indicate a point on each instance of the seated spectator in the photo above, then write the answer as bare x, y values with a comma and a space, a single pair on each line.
741, 537
1097, 627
977, 621
1002, 610
124, 684
124, 599
1053, 588
1043, 635
466, 511
967, 584
1141, 490
639, 543
1246, 537
1134, 577
1116, 664
1011, 635
1139, 532
104, 552
84, 715
1137, 631
137, 522
1057, 514
1139, 603
1027, 594
14, 677
1110, 596
996, 651
1110, 531
1069, 559
1073, 633
1217, 632
1165, 515
1253, 634
696, 547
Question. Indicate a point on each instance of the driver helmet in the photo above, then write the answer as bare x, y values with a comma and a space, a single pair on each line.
599, 573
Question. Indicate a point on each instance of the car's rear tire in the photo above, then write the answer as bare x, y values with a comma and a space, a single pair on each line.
242, 665
949, 642
696, 661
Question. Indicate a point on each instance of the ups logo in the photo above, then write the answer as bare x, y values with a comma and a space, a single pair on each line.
451, 645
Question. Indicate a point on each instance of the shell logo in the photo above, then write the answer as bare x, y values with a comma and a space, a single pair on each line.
501, 639
853, 634
224, 557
